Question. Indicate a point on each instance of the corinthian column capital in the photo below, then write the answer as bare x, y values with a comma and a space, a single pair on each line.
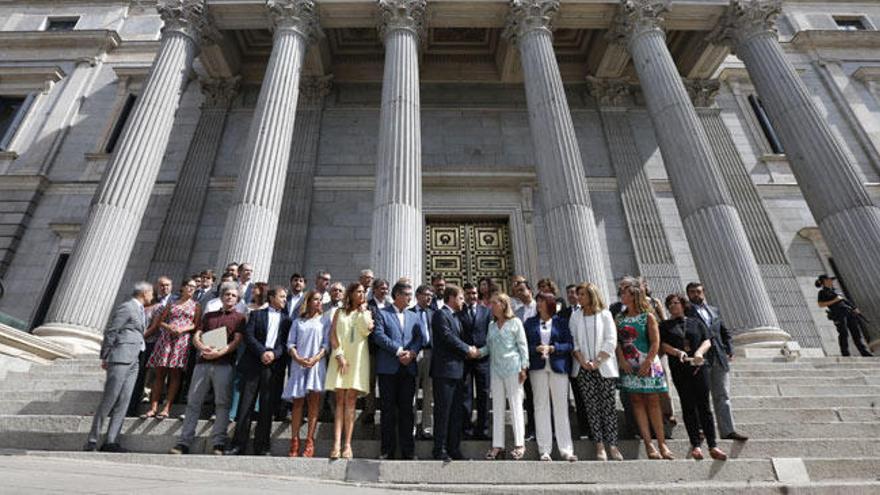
526, 16
219, 93
635, 17
298, 15
402, 14
610, 92
702, 92
189, 17
744, 19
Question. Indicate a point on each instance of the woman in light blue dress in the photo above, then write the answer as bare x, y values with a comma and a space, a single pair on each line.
507, 346
307, 343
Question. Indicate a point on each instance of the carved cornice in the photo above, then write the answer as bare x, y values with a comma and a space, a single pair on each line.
402, 14
298, 15
635, 17
702, 91
219, 93
745, 19
189, 17
526, 16
610, 92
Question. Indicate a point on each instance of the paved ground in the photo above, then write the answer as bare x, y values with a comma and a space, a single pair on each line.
21, 474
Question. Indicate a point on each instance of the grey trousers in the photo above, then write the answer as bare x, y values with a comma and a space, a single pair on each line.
205, 377
114, 401
719, 385
427, 385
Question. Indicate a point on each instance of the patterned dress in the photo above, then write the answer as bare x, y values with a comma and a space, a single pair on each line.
632, 335
171, 350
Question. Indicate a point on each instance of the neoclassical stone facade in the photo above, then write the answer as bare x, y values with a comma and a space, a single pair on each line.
732, 141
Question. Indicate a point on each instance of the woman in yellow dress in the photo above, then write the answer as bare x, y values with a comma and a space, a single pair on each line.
349, 370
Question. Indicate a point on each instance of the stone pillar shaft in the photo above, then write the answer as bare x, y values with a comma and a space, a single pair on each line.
91, 280
716, 236
252, 222
849, 221
575, 253
396, 247
177, 237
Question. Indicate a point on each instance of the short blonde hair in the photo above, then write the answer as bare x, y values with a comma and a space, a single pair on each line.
504, 299
597, 303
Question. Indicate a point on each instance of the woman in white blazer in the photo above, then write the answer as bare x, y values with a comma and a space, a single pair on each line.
595, 368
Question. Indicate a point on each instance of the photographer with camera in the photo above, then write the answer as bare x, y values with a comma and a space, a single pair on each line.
845, 315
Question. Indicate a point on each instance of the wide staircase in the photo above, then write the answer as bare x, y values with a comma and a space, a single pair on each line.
814, 427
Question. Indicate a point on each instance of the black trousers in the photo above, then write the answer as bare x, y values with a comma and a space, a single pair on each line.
261, 384
850, 324
396, 393
692, 385
476, 382
583, 422
447, 417
138, 391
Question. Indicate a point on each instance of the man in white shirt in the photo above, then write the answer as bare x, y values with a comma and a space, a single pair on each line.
246, 282
528, 308
295, 296
515, 281
216, 304
322, 283
265, 339
439, 284
424, 296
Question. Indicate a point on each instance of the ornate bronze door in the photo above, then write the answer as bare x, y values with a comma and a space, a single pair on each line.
466, 251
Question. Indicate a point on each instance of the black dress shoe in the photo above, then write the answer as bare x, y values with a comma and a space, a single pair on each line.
443, 456
736, 436
218, 450
426, 435
457, 456
384, 457
90, 447
233, 451
113, 447
179, 449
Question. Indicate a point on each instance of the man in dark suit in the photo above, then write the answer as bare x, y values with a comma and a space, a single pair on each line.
122, 345
447, 371
718, 358
422, 309
474, 319
265, 339
375, 304
571, 299
439, 285
398, 338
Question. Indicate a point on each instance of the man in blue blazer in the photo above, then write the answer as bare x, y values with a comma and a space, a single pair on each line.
261, 366
475, 319
447, 371
398, 339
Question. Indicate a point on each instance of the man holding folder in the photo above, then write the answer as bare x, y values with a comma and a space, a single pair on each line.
220, 335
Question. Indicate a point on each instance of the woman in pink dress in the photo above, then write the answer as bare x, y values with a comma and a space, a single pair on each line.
177, 322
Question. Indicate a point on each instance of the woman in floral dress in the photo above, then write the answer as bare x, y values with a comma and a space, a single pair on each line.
177, 323
642, 374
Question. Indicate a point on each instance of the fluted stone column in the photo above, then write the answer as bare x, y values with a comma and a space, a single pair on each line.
91, 279
716, 236
290, 245
178, 235
849, 221
782, 284
575, 252
396, 245
252, 222
650, 242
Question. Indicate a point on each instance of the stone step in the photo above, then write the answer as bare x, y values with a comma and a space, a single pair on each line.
271, 474
844, 469
747, 375
171, 426
824, 415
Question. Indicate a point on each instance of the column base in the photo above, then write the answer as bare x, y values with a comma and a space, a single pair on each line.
81, 341
770, 337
